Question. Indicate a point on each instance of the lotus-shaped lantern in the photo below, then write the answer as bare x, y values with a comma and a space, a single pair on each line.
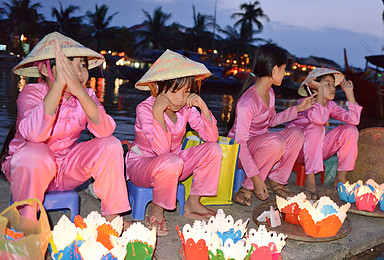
219, 239
266, 244
347, 191
221, 223
96, 238
367, 198
195, 240
324, 218
290, 208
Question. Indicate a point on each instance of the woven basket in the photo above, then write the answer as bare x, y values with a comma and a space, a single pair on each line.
370, 160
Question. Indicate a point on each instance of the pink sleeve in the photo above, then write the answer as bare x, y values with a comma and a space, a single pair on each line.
244, 114
106, 125
207, 130
285, 116
35, 125
159, 139
350, 116
318, 115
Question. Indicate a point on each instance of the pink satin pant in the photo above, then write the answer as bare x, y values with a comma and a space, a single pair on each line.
275, 154
163, 172
319, 146
33, 169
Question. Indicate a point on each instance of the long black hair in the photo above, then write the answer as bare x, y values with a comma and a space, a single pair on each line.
266, 57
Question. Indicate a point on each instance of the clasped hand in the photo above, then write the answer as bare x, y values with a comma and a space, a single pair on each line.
65, 73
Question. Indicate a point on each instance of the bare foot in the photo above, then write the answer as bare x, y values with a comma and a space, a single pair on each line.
310, 187
195, 210
155, 218
126, 223
341, 176
157, 212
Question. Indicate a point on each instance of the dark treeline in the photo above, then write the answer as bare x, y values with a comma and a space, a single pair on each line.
94, 29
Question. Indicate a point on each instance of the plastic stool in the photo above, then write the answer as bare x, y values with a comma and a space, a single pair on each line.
238, 179
299, 169
139, 197
61, 200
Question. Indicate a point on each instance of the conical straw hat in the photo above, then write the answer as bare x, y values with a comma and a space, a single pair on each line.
172, 65
319, 72
45, 49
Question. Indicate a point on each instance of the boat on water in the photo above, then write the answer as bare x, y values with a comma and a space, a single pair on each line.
369, 85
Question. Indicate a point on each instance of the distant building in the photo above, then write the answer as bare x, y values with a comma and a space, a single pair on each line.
303, 66
322, 62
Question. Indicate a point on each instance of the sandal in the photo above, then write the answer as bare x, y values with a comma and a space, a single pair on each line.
310, 195
280, 190
161, 229
243, 197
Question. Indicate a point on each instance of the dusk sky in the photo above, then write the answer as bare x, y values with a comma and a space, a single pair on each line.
320, 28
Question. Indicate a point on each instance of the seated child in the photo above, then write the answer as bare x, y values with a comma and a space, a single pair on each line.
263, 153
318, 145
156, 159
44, 154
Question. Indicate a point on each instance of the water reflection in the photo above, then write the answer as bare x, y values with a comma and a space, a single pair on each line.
228, 101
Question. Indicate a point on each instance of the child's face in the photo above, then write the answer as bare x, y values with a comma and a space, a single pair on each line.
329, 87
79, 66
278, 74
177, 98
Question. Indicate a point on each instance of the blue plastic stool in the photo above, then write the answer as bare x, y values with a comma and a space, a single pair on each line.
60, 201
238, 179
139, 198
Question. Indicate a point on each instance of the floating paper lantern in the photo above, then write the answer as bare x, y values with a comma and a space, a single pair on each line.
290, 208
65, 239
195, 240
347, 191
223, 239
92, 249
223, 223
374, 186
324, 218
140, 241
366, 198
266, 244
237, 251
96, 238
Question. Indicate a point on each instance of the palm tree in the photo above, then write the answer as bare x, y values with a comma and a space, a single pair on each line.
99, 22
65, 22
22, 17
251, 15
382, 16
239, 42
199, 35
156, 34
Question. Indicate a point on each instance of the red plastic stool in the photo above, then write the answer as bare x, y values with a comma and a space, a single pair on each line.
299, 169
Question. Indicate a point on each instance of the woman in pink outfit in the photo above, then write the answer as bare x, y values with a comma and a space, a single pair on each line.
44, 155
262, 153
156, 159
318, 145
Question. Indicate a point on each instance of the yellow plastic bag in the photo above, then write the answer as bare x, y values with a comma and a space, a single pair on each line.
36, 233
228, 167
